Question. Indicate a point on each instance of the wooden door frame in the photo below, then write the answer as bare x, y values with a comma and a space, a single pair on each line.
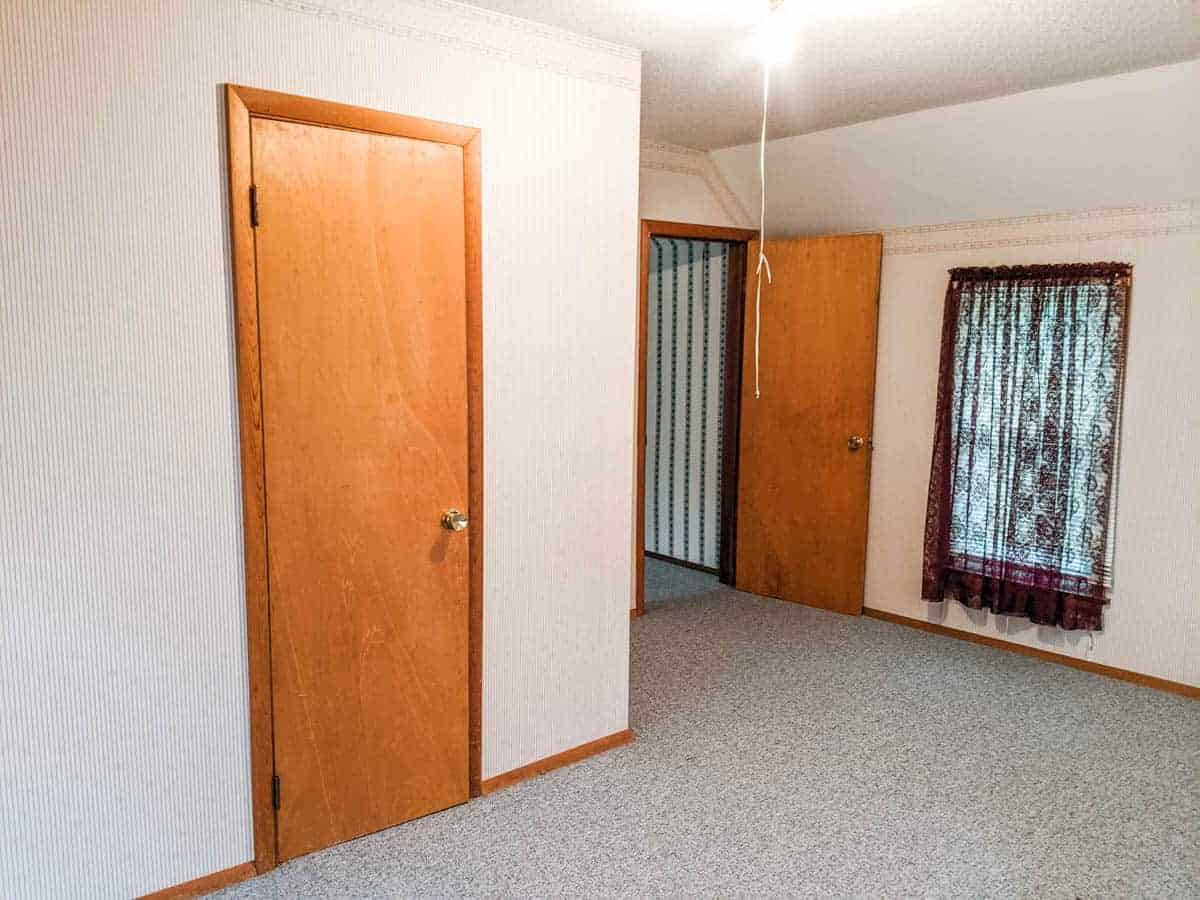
735, 310
241, 105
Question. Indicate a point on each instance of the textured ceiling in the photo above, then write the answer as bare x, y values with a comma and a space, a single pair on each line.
863, 59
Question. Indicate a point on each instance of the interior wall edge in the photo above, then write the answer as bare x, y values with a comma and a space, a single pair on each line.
122, 545
460, 26
677, 202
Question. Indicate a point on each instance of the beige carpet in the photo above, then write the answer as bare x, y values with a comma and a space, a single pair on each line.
784, 751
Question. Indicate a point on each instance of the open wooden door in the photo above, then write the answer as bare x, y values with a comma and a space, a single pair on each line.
805, 443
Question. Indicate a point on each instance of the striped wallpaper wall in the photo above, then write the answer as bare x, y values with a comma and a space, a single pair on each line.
124, 717
685, 376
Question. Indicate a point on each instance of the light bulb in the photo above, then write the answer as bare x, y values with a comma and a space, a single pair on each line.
774, 40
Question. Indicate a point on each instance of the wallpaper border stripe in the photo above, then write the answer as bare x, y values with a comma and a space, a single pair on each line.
688, 161
687, 401
658, 351
674, 389
705, 298
1121, 223
724, 336
485, 33
683, 476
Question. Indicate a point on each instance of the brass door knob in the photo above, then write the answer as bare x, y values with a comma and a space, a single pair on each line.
855, 443
453, 520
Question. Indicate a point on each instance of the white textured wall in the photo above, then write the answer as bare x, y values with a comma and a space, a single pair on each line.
1153, 622
123, 752
1125, 140
1126, 151
679, 184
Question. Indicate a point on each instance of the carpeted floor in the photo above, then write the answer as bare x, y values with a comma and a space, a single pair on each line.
784, 751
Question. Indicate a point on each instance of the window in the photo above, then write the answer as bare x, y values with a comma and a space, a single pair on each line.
1023, 475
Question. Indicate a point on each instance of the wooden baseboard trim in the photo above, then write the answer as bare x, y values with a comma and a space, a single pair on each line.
1086, 665
206, 884
557, 761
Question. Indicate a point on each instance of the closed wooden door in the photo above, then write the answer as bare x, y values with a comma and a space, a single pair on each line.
361, 290
804, 475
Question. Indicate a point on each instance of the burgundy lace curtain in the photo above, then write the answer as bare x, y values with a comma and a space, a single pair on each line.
1022, 483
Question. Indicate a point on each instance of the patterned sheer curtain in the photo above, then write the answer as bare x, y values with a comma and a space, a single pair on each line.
1022, 483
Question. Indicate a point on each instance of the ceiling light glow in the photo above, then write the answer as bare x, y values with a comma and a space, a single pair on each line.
774, 39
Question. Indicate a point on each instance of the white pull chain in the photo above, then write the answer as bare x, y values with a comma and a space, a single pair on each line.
762, 220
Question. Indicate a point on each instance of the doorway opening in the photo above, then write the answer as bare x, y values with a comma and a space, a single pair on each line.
794, 530
691, 313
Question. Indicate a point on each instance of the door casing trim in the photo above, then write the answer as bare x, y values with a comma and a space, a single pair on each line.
241, 105
736, 300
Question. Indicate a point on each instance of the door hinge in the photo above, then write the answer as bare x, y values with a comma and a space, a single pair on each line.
275, 792
253, 206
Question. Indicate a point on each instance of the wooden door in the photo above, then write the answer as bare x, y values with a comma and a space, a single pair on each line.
802, 487
362, 319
